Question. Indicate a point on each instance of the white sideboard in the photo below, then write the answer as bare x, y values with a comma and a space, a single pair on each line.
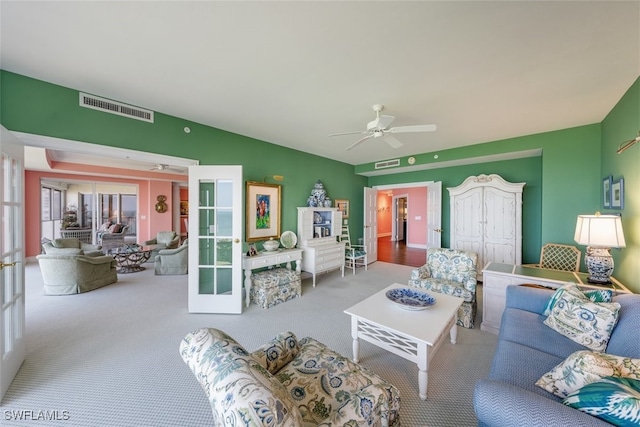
496, 277
268, 259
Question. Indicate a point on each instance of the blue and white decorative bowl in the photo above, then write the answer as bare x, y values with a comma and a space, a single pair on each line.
411, 299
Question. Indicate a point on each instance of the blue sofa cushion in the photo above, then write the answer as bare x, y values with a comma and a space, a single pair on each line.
615, 400
539, 336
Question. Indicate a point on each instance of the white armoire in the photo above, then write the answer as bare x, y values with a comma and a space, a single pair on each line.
486, 217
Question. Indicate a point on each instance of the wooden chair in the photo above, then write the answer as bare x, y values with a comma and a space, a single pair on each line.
554, 256
354, 255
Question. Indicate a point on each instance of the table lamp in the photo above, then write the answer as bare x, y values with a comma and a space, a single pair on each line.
599, 233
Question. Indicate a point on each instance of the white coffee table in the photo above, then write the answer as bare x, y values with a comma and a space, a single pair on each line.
413, 335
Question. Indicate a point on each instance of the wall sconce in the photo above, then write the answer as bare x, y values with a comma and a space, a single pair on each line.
627, 144
599, 233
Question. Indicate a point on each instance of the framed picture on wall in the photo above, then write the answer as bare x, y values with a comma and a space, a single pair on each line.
263, 211
343, 206
606, 192
617, 194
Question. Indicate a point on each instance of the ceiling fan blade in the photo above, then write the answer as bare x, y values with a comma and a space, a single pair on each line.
384, 121
361, 140
362, 132
392, 141
416, 128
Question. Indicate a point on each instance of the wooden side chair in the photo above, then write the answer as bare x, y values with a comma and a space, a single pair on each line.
554, 256
354, 255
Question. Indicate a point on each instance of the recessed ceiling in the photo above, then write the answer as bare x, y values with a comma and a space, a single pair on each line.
291, 73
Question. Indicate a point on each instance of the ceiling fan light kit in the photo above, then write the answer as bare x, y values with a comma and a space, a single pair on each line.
379, 127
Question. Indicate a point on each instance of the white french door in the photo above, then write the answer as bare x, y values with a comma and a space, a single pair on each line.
434, 215
12, 325
215, 231
371, 224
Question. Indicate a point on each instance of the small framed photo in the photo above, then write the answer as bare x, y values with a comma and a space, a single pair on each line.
252, 250
606, 192
617, 194
343, 206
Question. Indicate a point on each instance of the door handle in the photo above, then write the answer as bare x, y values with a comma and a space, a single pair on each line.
7, 264
236, 241
438, 230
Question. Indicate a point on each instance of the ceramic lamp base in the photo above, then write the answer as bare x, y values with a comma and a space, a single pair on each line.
599, 263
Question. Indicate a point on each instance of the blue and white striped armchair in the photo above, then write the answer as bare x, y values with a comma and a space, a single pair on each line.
451, 272
287, 382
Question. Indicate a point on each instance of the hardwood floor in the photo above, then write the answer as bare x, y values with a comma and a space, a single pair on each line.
399, 253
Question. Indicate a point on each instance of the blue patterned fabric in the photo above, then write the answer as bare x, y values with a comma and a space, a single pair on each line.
613, 399
271, 287
452, 272
287, 382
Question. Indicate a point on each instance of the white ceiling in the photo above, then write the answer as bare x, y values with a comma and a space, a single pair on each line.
291, 73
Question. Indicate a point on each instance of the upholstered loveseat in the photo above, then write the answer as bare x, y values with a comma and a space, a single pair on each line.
452, 272
70, 246
66, 274
286, 383
529, 351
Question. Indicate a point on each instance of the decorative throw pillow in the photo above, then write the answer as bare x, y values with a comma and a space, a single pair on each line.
105, 226
115, 228
581, 320
584, 367
614, 400
595, 295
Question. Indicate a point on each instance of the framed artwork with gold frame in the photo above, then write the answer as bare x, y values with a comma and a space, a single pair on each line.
343, 206
262, 211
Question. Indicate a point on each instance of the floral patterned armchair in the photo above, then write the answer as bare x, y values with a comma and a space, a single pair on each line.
286, 382
451, 272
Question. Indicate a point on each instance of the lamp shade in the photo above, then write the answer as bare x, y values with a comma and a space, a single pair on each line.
599, 231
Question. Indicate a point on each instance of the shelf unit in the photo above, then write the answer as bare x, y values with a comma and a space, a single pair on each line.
318, 232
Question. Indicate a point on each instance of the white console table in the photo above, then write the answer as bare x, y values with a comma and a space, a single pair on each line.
496, 277
268, 259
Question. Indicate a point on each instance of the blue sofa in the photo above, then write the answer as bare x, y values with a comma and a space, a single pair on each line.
527, 349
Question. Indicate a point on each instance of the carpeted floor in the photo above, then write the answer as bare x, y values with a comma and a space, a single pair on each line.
110, 357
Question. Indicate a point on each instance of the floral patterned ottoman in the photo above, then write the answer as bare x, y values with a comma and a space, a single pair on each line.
271, 287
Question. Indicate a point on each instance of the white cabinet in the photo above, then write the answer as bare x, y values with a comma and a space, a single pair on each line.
486, 218
318, 230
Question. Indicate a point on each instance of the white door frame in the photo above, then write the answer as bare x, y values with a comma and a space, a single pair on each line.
12, 295
395, 233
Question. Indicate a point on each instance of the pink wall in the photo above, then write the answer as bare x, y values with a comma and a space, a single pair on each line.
385, 212
417, 207
149, 221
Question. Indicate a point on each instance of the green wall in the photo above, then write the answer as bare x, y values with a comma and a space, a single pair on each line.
41, 108
623, 124
561, 183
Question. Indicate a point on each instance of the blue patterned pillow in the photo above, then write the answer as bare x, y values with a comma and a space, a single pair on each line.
612, 399
595, 295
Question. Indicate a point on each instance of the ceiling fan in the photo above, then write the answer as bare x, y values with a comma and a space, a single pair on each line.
380, 128
163, 167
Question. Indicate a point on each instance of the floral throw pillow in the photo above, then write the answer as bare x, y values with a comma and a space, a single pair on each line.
614, 400
584, 367
581, 320
595, 295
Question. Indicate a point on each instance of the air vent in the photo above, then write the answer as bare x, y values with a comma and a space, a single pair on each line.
113, 107
388, 164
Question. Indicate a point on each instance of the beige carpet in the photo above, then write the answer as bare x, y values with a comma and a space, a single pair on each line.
110, 357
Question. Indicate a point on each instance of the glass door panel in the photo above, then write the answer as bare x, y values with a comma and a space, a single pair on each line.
217, 286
